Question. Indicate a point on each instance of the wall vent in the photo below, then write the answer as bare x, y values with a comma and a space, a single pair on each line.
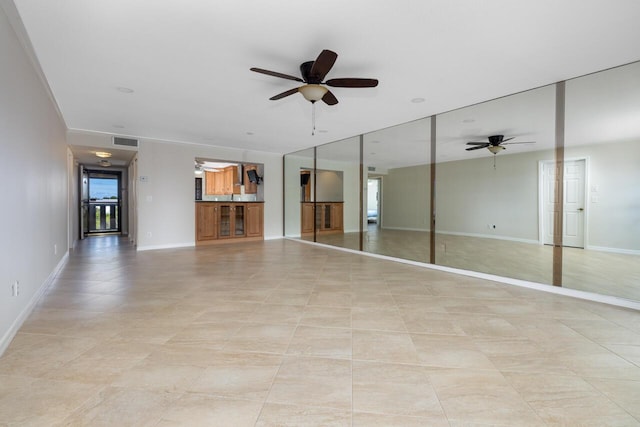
129, 142
371, 168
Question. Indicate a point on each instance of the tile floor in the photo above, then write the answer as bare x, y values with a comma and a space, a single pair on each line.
282, 333
582, 269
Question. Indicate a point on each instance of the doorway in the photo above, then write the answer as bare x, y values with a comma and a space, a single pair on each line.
573, 205
373, 201
100, 202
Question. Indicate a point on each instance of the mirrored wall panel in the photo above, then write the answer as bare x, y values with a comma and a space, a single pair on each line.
397, 174
298, 184
337, 194
602, 183
495, 196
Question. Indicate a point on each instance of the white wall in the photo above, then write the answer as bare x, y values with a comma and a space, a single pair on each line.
329, 186
405, 198
33, 170
165, 188
471, 194
614, 171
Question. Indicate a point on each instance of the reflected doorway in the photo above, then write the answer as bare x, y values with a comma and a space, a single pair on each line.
573, 205
100, 204
373, 201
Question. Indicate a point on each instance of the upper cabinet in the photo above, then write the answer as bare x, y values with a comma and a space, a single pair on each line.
224, 180
249, 187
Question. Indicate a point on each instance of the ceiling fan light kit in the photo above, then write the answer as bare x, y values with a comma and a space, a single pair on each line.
313, 92
313, 74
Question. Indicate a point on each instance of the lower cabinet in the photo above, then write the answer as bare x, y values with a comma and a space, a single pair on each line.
217, 222
327, 217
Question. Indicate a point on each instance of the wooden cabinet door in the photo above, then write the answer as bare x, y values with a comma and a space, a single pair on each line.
209, 182
336, 216
206, 221
254, 219
249, 187
225, 220
218, 182
230, 174
307, 217
239, 214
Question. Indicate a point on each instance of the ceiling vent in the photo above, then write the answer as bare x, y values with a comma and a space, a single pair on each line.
128, 142
371, 168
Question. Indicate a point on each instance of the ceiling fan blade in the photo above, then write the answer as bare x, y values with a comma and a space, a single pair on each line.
276, 74
322, 65
506, 139
478, 143
330, 98
479, 147
352, 82
283, 94
520, 142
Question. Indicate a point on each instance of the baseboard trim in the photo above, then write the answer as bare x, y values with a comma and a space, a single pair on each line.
489, 236
605, 299
613, 250
168, 246
17, 323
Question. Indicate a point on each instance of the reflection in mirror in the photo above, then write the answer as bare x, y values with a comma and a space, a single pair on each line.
489, 188
298, 181
224, 180
397, 166
337, 200
602, 183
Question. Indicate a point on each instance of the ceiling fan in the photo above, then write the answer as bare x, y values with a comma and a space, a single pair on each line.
313, 72
496, 143
314, 88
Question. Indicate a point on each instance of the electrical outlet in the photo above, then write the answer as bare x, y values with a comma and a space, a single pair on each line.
15, 289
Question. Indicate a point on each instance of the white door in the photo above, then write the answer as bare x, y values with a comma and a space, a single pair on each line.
573, 203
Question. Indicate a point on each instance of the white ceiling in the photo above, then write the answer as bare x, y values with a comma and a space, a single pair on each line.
188, 62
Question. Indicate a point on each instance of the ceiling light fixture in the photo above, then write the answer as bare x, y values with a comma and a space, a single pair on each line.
124, 89
417, 100
104, 163
313, 93
103, 154
495, 149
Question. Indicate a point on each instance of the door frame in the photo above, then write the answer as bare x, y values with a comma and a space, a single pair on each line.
119, 176
587, 199
378, 201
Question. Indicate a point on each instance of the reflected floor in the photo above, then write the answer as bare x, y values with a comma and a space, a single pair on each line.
279, 333
592, 271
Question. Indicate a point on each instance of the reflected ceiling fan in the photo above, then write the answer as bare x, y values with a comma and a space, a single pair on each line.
314, 88
496, 143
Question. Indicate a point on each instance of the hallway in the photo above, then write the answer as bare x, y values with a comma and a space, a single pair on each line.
283, 333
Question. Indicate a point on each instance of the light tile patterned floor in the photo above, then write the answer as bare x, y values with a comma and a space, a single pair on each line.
282, 333
606, 273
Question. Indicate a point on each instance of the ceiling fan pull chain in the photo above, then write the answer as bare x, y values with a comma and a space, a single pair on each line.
313, 118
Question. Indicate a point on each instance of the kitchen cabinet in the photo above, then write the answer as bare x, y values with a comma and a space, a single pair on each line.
327, 216
214, 183
307, 217
254, 219
206, 221
224, 182
231, 181
218, 222
249, 187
